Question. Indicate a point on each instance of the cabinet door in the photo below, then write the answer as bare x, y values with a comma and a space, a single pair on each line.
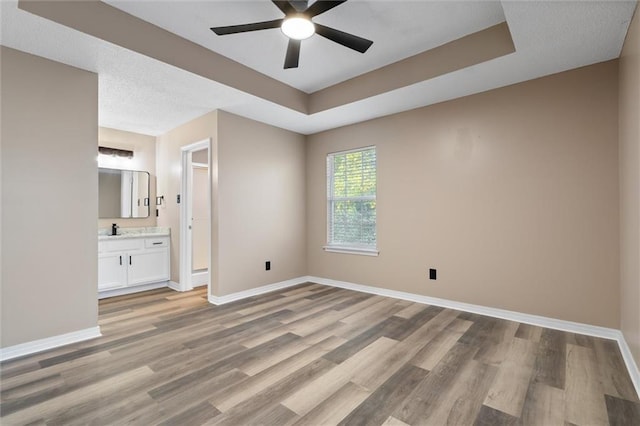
112, 272
148, 266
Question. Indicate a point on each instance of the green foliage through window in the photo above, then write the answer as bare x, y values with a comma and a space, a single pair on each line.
351, 181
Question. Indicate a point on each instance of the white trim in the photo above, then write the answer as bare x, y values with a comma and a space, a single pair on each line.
186, 283
632, 367
352, 250
556, 324
541, 321
199, 278
134, 289
221, 300
332, 246
348, 151
40, 345
174, 286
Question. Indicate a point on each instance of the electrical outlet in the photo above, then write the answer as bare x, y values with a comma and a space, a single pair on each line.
267, 265
432, 274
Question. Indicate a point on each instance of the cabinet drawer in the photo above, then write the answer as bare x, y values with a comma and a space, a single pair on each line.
121, 245
156, 242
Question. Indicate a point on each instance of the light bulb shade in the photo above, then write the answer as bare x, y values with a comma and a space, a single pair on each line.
298, 28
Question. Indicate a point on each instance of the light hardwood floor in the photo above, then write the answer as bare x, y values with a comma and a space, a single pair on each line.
317, 356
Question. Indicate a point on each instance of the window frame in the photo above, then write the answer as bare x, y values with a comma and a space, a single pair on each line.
353, 248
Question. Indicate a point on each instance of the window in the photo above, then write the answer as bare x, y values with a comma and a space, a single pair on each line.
351, 201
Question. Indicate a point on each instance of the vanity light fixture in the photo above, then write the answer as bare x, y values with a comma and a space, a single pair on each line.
115, 152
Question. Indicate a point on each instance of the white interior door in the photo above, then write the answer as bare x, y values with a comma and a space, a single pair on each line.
195, 259
200, 218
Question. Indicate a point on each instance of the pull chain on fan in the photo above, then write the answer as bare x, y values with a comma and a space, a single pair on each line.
297, 25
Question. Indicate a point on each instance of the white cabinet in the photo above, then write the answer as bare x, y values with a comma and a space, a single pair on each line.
111, 273
132, 262
148, 265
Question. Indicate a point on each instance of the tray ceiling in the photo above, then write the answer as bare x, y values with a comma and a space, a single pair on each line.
151, 89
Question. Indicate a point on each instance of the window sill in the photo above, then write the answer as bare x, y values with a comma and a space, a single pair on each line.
352, 250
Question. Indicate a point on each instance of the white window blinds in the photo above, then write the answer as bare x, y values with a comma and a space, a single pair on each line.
351, 199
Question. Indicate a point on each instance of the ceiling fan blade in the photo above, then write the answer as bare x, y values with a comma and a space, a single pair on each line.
321, 6
233, 29
293, 54
285, 7
347, 40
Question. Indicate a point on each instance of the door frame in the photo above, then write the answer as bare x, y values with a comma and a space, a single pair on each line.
186, 212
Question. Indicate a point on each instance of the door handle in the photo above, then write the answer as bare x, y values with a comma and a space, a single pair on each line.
129, 260
120, 260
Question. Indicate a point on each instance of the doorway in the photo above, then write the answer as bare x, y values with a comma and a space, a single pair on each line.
195, 216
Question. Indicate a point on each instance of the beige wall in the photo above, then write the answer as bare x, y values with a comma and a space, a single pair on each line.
258, 199
629, 110
201, 156
144, 159
49, 142
261, 173
169, 168
511, 194
472, 49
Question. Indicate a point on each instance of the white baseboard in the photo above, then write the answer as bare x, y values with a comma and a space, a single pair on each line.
537, 320
177, 287
541, 321
134, 289
557, 324
199, 278
221, 300
630, 362
40, 345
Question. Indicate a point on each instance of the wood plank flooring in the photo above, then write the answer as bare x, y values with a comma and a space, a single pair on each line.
312, 355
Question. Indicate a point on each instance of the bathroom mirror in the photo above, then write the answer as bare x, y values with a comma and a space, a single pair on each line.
122, 194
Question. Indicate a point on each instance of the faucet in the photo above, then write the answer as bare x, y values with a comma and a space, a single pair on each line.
114, 229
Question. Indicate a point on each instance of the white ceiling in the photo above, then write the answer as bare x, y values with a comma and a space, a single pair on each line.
398, 29
144, 95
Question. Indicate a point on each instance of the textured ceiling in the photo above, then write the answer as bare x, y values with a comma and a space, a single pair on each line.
144, 95
398, 29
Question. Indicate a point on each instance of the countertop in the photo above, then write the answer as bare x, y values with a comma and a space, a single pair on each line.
125, 233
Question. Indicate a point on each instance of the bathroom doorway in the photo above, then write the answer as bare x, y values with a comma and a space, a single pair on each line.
195, 216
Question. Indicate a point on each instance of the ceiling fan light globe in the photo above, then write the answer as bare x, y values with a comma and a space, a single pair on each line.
298, 28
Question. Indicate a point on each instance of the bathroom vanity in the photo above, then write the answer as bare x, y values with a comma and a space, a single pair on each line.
136, 259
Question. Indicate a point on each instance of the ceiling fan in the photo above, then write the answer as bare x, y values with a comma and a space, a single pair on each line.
297, 25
